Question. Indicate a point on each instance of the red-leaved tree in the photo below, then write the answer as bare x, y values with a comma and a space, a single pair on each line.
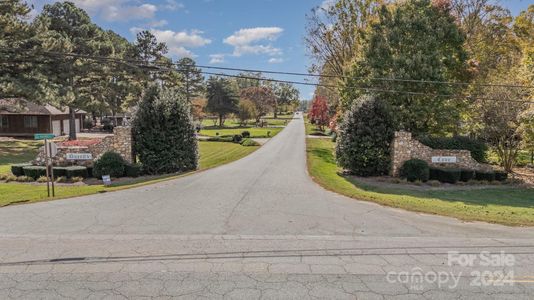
318, 114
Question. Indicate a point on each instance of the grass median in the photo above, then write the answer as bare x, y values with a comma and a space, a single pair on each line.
504, 205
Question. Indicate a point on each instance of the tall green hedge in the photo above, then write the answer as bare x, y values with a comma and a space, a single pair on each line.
365, 135
477, 147
164, 133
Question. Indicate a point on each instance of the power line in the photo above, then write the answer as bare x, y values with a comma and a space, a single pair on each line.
314, 74
163, 67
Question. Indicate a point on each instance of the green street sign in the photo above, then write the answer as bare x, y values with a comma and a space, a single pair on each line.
43, 136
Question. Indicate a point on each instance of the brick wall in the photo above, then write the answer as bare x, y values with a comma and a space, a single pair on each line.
404, 148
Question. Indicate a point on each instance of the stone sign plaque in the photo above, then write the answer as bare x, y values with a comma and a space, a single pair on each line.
79, 156
444, 159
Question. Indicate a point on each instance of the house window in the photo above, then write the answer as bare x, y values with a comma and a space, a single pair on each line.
3, 122
30, 121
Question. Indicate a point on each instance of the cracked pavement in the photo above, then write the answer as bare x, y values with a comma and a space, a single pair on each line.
258, 228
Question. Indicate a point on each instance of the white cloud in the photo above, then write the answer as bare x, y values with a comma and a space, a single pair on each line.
155, 24
118, 10
179, 42
248, 41
276, 60
217, 58
173, 5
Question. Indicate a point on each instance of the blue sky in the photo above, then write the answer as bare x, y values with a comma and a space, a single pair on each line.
250, 34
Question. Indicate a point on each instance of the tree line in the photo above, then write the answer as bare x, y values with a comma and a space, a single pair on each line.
443, 67
62, 58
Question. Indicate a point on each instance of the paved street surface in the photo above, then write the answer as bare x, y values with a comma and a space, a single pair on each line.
255, 228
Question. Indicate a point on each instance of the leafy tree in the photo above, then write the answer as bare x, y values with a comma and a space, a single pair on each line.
198, 108
286, 94
193, 81
263, 99
67, 29
246, 110
319, 112
500, 121
415, 41
163, 132
221, 98
19, 76
527, 131
365, 136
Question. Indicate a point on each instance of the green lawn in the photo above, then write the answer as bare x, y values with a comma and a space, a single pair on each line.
17, 151
212, 154
255, 132
509, 206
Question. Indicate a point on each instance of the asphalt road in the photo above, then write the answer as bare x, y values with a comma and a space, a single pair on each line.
255, 228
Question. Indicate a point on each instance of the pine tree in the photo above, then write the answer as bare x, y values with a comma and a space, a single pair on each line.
221, 98
193, 81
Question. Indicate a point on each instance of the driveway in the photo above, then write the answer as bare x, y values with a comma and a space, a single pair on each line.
255, 228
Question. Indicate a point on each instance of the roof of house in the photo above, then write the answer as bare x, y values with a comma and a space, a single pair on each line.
21, 106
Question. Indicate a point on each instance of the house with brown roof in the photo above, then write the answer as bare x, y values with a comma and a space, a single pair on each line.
20, 117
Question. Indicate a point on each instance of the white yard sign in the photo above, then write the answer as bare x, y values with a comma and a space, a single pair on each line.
79, 156
444, 159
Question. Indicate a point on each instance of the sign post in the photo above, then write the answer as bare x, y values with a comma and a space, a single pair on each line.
50, 151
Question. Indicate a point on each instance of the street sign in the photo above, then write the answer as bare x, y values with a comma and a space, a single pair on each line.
52, 147
43, 136
444, 159
106, 179
79, 156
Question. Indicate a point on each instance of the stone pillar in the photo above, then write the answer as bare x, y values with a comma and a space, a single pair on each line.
400, 151
122, 142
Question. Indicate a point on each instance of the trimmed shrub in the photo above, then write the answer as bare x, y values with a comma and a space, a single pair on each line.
487, 176
363, 144
42, 179
164, 133
89, 171
76, 171
60, 171
132, 170
10, 178
237, 138
110, 163
415, 169
25, 179
466, 175
34, 171
76, 179
501, 176
245, 134
16, 169
61, 179
220, 139
477, 147
445, 175
249, 143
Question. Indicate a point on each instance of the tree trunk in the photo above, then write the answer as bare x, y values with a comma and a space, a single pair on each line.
220, 120
531, 156
72, 124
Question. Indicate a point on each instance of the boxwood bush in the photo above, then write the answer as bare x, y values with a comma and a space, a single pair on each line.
501, 176
110, 163
249, 142
365, 136
466, 175
76, 171
132, 170
481, 175
477, 147
237, 138
34, 171
60, 171
445, 175
16, 169
245, 134
415, 169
